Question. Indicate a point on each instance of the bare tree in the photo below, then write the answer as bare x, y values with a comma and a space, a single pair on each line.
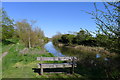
30, 37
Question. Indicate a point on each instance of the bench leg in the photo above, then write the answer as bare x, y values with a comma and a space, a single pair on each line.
73, 65
72, 70
41, 69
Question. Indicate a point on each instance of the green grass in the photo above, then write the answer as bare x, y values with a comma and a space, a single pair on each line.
0, 60
59, 75
21, 70
22, 67
19, 65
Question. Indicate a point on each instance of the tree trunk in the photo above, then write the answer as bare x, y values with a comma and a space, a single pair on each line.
29, 42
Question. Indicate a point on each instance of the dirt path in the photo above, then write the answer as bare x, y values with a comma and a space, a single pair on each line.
4, 54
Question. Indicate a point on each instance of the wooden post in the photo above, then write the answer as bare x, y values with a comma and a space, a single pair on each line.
41, 69
73, 65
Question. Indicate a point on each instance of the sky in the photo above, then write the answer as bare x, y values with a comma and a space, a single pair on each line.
59, 0
54, 17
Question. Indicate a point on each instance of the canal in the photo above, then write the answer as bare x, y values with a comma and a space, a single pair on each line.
65, 51
52, 49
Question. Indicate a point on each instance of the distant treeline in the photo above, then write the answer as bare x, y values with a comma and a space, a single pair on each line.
84, 37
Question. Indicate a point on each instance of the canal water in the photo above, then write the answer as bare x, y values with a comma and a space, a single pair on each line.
87, 63
64, 51
61, 51
52, 49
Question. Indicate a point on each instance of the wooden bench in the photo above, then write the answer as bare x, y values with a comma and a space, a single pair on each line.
71, 63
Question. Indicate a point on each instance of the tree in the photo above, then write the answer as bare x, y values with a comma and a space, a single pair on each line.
27, 35
7, 26
108, 23
40, 38
83, 35
108, 35
67, 38
56, 38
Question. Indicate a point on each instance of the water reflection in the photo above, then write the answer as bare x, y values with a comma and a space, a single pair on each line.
69, 51
93, 65
52, 49
64, 51
97, 55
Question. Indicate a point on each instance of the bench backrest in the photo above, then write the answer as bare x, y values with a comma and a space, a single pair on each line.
56, 58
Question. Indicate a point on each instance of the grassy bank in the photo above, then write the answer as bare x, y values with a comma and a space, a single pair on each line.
86, 49
20, 62
0, 60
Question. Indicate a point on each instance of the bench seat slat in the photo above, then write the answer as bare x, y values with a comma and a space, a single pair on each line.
55, 58
55, 65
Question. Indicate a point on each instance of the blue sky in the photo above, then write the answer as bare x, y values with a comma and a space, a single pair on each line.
53, 17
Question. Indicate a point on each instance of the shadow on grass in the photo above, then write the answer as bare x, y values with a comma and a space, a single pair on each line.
65, 76
52, 70
6, 42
